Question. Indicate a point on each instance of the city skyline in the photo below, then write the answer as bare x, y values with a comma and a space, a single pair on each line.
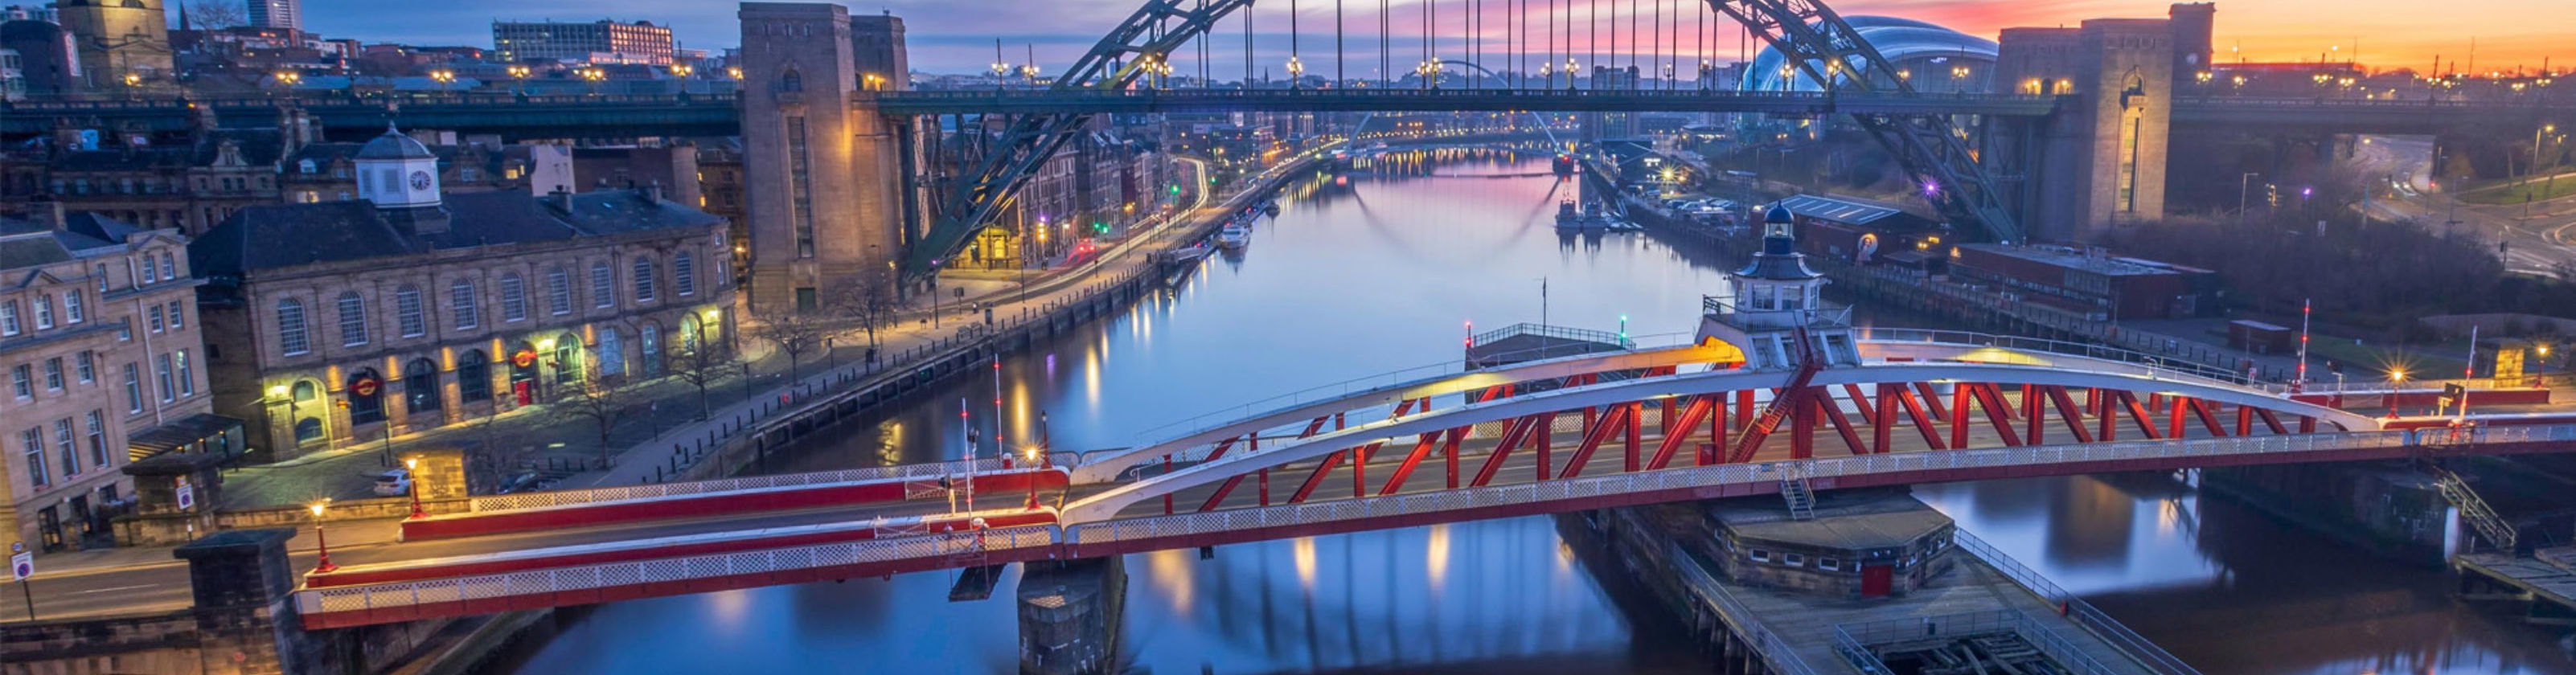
947, 39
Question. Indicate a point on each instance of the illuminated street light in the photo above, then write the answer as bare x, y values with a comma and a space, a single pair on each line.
1296, 71
324, 564
289, 78
682, 70
443, 77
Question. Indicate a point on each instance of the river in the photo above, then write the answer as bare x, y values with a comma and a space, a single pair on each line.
1368, 274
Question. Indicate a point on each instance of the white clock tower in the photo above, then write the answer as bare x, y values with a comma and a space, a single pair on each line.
397, 172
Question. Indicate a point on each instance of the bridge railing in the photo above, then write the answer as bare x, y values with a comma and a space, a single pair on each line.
1558, 332
539, 500
1855, 638
1035, 95
470, 589
1394, 380
1775, 652
2138, 647
2155, 365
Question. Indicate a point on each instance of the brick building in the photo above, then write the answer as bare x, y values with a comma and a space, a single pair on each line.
2089, 280
413, 308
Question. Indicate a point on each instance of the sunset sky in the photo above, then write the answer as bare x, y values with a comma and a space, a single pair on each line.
957, 35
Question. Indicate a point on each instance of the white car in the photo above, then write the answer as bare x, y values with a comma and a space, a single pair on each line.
393, 483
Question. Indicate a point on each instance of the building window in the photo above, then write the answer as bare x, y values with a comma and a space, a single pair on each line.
307, 427
650, 342
133, 389
22, 381
169, 266
1794, 559
558, 291
514, 298
369, 407
97, 439
1758, 555
44, 312
54, 374
34, 441
178, 315
69, 450
72, 307
409, 313
1829, 564
9, 318
353, 319
88, 367
460, 304
643, 279
151, 268
800, 187
603, 285
612, 353
684, 274
290, 327
187, 378
420, 386
155, 322
100, 273
161, 377
473, 376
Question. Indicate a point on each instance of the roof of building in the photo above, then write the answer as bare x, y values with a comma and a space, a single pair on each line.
1850, 520
1851, 211
394, 145
2073, 258
1896, 39
274, 236
29, 243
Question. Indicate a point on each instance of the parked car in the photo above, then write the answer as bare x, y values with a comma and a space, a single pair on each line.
394, 483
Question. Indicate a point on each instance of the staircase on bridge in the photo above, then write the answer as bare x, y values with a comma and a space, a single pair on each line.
2475, 510
1800, 495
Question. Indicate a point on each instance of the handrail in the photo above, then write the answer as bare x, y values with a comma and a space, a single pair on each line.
2040, 636
1564, 332
2083, 349
1775, 652
2075, 608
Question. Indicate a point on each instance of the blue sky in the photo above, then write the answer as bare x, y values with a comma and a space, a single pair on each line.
957, 35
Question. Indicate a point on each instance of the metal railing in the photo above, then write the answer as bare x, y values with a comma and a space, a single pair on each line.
1741, 317
1775, 652
663, 570
2084, 614
1855, 639
2153, 363
1558, 332
559, 498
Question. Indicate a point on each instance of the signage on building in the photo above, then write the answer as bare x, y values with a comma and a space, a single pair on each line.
187, 495
524, 358
21, 564
365, 386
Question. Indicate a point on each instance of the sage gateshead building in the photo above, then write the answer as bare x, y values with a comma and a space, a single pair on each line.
1929, 57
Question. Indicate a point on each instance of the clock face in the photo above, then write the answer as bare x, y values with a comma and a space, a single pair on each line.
420, 180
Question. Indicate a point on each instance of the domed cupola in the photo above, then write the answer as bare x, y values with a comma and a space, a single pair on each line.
397, 172
1776, 304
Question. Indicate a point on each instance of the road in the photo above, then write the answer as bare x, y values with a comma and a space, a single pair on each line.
2538, 238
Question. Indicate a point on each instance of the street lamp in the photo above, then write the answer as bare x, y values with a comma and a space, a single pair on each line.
1570, 67
2396, 376
289, 78
442, 76
999, 69
323, 565
411, 474
1029, 71
682, 70
593, 75
518, 78
1296, 71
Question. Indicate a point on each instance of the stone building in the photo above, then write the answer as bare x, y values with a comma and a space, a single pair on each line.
121, 44
100, 341
414, 308
2101, 157
1858, 544
827, 211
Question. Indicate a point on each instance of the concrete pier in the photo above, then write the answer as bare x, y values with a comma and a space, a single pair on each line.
1960, 611
1069, 616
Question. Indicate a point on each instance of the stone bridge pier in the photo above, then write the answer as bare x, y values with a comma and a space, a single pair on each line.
1070, 615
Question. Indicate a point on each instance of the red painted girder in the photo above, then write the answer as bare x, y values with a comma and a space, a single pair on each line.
1860, 403
1992, 400
1922, 421
1677, 428
1592, 439
1449, 453
1781, 406
2066, 409
2270, 421
2200, 408
1316, 478
1514, 435
1421, 448
1834, 413
2137, 413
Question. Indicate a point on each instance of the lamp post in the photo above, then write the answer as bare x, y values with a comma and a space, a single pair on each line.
1000, 68
682, 70
2243, 184
442, 76
2396, 376
518, 78
324, 545
288, 79
411, 474
1297, 72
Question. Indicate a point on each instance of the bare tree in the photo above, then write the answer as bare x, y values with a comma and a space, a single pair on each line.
215, 14
869, 303
594, 400
795, 334
701, 366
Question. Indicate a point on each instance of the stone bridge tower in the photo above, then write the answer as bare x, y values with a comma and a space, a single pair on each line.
2099, 161
822, 170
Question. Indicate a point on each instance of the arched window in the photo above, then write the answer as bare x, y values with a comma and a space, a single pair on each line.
558, 291
514, 298
650, 344
612, 353
473, 376
689, 333
366, 397
353, 319
420, 386
603, 285
460, 304
291, 338
791, 81
684, 274
409, 312
643, 279
308, 408
567, 361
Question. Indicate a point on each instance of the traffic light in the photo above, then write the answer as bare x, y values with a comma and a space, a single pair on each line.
2272, 195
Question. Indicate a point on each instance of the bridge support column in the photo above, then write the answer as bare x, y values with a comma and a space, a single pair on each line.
244, 590
825, 174
1070, 612
2101, 157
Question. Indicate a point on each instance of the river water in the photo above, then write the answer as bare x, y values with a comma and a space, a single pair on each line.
1362, 275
